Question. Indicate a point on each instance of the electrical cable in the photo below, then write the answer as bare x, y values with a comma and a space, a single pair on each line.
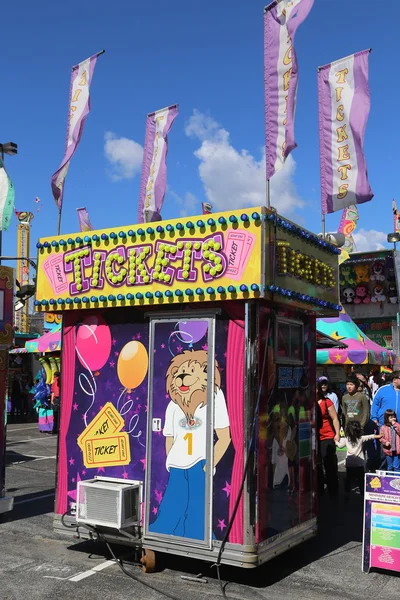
68, 512
250, 452
131, 575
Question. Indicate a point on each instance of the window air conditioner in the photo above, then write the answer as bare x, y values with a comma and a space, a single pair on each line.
107, 502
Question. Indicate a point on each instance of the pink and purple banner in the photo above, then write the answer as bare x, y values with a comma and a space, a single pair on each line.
347, 225
396, 217
79, 107
84, 220
154, 170
344, 102
281, 20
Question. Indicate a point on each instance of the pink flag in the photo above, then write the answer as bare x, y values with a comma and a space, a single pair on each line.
154, 170
84, 220
396, 217
281, 20
343, 98
79, 107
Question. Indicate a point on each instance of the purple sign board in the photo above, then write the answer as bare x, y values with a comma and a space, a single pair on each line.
381, 540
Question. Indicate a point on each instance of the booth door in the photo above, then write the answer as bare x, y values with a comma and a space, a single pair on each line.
180, 430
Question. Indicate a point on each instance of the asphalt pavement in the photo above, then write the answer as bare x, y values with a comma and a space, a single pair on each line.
35, 563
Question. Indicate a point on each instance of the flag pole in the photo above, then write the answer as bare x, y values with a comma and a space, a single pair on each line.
59, 220
268, 194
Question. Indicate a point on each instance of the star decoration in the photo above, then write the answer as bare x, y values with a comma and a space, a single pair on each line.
205, 347
116, 353
138, 336
227, 489
83, 473
221, 524
143, 460
114, 342
162, 346
125, 474
75, 406
338, 357
112, 364
179, 348
155, 510
101, 470
71, 461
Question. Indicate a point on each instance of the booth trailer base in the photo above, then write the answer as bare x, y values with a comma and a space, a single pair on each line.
247, 557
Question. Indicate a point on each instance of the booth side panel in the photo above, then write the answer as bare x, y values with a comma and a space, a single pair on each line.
286, 437
103, 400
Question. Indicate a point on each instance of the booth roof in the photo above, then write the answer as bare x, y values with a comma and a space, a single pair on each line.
360, 349
49, 342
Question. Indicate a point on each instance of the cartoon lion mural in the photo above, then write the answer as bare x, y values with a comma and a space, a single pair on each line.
186, 381
181, 511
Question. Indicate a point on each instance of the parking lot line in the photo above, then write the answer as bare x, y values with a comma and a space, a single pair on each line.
9, 430
14, 442
90, 572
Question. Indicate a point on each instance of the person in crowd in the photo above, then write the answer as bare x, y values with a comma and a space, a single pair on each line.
364, 386
16, 398
325, 389
387, 397
328, 434
55, 401
390, 440
355, 404
373, 382
353, 441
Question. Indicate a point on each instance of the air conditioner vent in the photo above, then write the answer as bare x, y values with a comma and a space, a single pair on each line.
109, 503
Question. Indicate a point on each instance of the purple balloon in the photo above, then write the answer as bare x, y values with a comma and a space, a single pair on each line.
191, 332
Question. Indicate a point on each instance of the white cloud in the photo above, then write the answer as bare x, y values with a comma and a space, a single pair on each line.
186, 205
124, 155
371, 239
234, 178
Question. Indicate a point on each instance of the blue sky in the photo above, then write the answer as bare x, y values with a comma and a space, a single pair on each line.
208, 57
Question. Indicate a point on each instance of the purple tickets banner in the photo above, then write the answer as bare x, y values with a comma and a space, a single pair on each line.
281, 20
79, 107
154, 170
84, 220
343, 104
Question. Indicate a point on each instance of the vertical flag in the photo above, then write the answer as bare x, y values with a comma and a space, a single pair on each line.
348, 223
344, 102
396, 217
154, 169
281, 20
206, 208
79, 107
7, 195
84, 220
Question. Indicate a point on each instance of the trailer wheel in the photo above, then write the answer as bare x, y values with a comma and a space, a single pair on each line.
148, 561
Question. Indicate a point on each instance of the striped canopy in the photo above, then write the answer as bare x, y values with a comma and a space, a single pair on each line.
360, 349
49, 342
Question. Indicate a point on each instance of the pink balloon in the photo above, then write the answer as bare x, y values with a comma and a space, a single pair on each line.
93, 342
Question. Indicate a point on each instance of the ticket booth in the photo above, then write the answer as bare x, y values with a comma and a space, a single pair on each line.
188, 369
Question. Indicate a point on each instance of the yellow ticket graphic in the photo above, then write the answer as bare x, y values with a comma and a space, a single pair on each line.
107, 422
111, 451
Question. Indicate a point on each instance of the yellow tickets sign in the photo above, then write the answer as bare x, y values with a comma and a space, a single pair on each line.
107, 422
109, 451
204, 258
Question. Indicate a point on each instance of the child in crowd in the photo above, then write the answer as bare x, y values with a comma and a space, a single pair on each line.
390, 440
355, 404
355, 459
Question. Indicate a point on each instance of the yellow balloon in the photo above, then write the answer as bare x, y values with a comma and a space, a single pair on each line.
133, 363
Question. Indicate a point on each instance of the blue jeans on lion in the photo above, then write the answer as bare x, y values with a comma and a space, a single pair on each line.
181, 512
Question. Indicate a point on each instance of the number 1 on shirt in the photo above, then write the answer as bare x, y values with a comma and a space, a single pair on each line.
189, 438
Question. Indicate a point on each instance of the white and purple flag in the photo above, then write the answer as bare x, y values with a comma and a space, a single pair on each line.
154, 170
344, 102
84, 220
79, 107
281, 20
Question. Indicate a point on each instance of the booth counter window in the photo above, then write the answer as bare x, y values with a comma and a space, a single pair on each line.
289, 341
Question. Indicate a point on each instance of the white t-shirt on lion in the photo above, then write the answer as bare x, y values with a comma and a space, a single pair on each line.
189, 445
